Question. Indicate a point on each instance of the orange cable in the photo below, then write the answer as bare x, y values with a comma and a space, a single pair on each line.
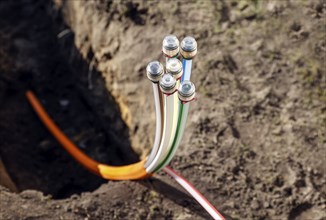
127, 172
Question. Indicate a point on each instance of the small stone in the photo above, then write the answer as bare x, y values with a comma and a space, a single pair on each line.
277, 131
271, 6
258, 44
255, 205
64, 102
29, 194
232, 205
74, 197
45, 145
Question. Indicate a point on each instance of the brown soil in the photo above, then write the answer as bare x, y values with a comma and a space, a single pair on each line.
255, 141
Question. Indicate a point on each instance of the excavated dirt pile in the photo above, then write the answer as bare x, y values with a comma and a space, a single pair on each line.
255, 142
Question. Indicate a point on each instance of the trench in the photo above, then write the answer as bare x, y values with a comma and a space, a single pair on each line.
37, 52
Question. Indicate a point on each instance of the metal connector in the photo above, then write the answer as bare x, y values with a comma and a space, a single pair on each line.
155, 71
174, 67
188, 47
187, 91
168, 84
170, 46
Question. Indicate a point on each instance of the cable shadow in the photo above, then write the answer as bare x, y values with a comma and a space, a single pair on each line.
177, 196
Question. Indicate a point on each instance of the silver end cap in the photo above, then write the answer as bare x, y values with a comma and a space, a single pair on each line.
170, 46
168, 84
188, 47
186, 91
154, 71
174, 67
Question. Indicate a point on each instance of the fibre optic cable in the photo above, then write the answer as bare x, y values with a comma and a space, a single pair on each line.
155, 72
170, 49
212, 211
168, 88
137, 170
126, 172
186, 94
174, 67
188, 50
92, 165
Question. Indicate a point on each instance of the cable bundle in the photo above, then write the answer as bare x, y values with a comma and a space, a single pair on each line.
173, 92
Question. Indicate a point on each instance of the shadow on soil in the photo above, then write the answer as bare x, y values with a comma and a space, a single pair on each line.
45, 60
51, 66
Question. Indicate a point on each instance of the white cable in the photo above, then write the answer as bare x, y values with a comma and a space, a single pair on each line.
169, 128
179, 135
158, 130
195, 193
186, 94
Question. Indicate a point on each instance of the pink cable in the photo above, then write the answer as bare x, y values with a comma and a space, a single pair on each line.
195, 193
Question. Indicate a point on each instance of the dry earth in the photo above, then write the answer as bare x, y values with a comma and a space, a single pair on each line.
255, 142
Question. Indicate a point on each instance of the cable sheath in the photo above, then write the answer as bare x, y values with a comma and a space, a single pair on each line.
127, 172
169, 128
183, 114
194, 193
158, 130
187, 65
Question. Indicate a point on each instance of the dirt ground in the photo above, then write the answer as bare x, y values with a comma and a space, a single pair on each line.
255, 142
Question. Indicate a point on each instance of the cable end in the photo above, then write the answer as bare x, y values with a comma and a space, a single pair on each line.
170, 46
154, 71
174, 67
186, 91
188, 47
168, 84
